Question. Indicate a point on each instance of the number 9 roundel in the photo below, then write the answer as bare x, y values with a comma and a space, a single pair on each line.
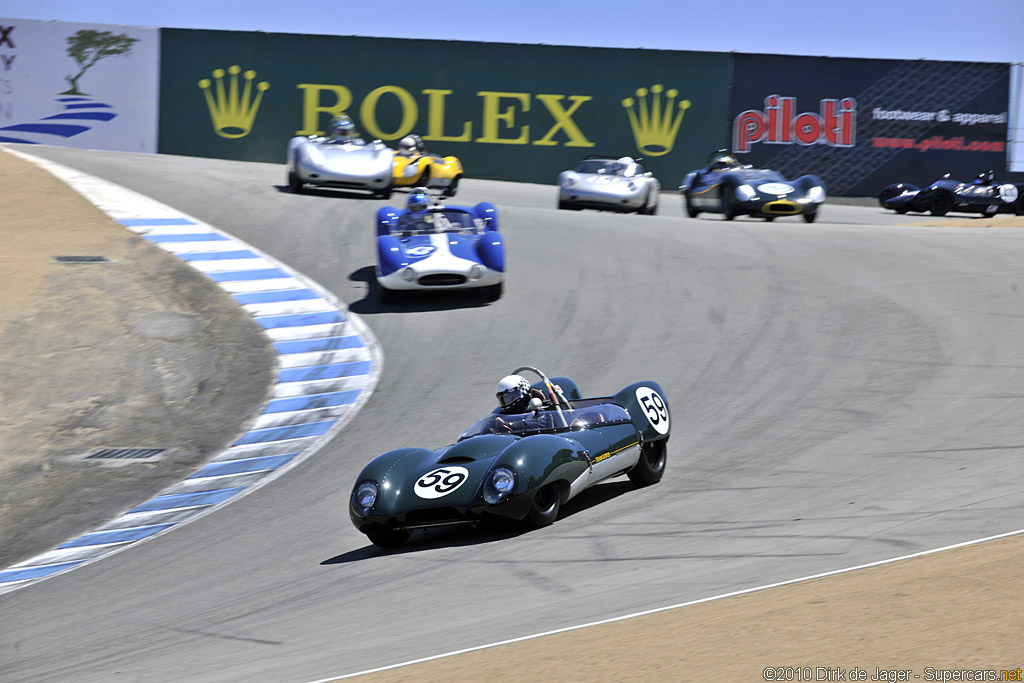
655, 408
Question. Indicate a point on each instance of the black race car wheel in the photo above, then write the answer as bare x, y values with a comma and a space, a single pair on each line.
1019, 210
769, 219
392, 538
651, 465
729, 209
385, 193
649, 209
453, 187
941, 204
902, 209
810, 216
494, 292
545, 506
294, 184
566, 205
690, 211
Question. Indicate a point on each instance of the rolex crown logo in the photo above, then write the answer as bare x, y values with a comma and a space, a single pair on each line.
232, 108
656, 123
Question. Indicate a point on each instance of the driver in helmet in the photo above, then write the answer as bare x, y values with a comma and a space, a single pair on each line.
411, 146
416, 217
515, 393
517, 398
723, 161
985, 178
342, 130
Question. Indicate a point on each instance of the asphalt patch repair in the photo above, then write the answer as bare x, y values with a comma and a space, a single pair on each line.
141, 351
137, 351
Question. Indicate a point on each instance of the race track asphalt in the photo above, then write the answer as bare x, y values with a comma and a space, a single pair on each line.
843, 393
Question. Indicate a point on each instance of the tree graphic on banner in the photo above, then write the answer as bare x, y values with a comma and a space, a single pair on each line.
87, 47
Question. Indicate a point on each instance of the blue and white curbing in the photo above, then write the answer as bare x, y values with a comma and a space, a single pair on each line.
328, 365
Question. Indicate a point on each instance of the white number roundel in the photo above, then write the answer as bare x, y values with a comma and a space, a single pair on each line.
421, 250
441, 482
1008, 193
655, 408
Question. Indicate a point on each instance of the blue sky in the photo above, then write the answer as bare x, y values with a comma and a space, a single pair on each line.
938, 29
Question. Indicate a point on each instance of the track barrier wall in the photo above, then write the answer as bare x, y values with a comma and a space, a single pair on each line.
508, 111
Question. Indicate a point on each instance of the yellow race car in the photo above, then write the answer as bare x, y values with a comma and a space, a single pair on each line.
413, 166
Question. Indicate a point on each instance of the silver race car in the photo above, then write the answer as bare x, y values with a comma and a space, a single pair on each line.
342, 160
609, 184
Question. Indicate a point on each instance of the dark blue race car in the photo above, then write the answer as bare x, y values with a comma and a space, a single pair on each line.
733, 189
985, 195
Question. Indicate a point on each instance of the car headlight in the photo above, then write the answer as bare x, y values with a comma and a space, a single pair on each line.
500, 483
408, 274
745, 193
568, 182
477, 272
366, 496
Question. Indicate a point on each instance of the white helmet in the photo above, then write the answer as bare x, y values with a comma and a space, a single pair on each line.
407, 145
513, 393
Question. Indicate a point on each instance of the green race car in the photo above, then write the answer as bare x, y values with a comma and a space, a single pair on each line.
519, 466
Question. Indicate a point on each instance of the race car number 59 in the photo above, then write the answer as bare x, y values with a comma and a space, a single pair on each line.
441, 482
654, 408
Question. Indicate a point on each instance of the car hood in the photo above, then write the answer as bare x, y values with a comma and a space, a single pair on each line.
449, 476
346, 157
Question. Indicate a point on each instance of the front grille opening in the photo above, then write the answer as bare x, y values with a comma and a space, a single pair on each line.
441, 279
81, 259
126, 454
433, 516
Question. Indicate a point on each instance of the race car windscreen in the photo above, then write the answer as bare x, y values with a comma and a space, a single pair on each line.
425, 222
602, 166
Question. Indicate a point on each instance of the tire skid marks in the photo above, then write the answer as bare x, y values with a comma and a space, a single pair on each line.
328, 365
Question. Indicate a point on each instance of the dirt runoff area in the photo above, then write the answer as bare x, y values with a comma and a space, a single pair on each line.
140, 351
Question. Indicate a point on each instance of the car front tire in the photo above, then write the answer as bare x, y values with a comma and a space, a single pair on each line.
941, 204
690, 211
545, 506
294, 184
392, 538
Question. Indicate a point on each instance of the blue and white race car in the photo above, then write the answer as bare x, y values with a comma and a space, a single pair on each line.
432, 246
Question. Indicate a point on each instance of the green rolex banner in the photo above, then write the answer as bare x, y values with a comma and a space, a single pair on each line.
511, 112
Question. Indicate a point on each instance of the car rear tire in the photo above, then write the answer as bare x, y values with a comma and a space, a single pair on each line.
941, 204
544, 510
810, 216
453, 188
650, 468
990, 211
294, 184
392, 538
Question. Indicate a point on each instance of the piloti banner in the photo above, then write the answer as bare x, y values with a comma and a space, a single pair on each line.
862, 124
515, 112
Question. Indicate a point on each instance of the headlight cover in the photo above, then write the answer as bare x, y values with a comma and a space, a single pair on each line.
500, 483
745, 193
408, 274
365, 496
568, 182
816, 194
477, 272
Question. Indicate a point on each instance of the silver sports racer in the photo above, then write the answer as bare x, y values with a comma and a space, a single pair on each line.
609, 184
346, 163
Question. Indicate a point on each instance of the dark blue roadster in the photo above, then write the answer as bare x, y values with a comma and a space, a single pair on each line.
519, 466
733, 189
985, 195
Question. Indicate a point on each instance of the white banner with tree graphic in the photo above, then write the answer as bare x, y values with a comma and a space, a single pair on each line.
91, 86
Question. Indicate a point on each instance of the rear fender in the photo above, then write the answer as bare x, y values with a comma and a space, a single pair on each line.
647, 406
